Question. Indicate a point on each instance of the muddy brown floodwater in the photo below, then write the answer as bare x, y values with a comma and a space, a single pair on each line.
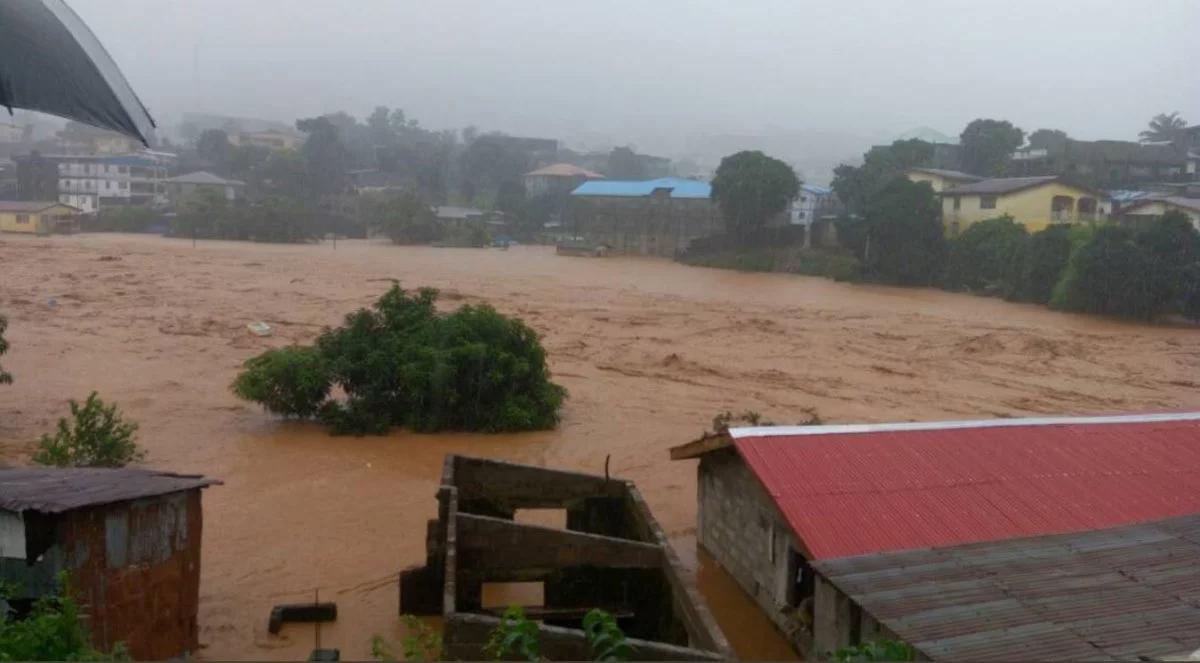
649, 350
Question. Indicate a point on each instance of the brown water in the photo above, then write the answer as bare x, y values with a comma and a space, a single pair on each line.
649, 350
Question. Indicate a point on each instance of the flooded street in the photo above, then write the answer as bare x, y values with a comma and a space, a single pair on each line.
649, 351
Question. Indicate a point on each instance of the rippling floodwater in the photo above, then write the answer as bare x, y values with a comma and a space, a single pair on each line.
650, 351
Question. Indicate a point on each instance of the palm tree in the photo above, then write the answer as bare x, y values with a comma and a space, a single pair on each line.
1163, 127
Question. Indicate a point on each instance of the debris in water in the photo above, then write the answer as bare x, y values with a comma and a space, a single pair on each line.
259, 328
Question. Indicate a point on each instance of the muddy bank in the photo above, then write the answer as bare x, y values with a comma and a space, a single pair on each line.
649, 350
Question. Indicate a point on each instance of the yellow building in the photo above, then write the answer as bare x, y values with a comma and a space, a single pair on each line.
37, 217
1035, 202
1145, 211
941, 179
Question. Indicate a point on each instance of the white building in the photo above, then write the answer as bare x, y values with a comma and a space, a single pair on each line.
93, 182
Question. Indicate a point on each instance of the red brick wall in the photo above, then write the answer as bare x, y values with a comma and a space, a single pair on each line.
147, 600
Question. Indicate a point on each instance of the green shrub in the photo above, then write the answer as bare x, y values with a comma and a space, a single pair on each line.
404, 364
1142, 275
95, 436
605, 639
880, 650
515, 636
985, 257
1042, 263
53, 631
125, 219
293, 382
420, 643
5, 378
904, 242
832, 263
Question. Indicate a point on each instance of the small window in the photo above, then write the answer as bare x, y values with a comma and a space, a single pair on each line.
987, 202
22, 218
957, 203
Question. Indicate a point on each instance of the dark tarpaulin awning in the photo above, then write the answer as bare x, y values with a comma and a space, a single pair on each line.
51, 62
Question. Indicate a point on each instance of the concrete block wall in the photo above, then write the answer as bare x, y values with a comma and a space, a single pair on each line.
741, 529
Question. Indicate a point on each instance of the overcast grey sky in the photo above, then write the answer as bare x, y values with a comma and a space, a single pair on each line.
645, 68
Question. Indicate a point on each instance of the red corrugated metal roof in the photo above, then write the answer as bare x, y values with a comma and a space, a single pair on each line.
850, 492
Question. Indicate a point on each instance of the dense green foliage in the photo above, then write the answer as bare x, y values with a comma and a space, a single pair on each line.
987, 145
1042, 261
902, 240
402, 363
516, 636
124, 219
207, 214
836, 264
292, 381
750, 188
95, 436
53, 631
1045, 139
5, 378
986, 257
856, 185
876, 650
405, 218
1142, 275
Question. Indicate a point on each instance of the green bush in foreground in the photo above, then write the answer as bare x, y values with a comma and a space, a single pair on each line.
986, 256
402, 363
95, 436
53, 631
1042, 262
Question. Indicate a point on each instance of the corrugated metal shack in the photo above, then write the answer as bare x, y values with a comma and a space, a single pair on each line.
611, 555
779, 504
129, 539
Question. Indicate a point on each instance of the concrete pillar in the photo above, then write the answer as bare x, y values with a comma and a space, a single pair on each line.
831, 619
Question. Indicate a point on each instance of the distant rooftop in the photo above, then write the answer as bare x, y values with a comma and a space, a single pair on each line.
1001, 185
679, 188
950, 174
28, 205
55, 490
204, 177
566, 170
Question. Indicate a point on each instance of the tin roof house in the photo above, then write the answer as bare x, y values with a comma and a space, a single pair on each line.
1048, 538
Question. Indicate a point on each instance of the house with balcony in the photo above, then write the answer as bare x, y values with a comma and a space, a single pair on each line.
1035, 202
93, 181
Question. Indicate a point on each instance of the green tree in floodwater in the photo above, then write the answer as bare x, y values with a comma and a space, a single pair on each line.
95, 436
750, 188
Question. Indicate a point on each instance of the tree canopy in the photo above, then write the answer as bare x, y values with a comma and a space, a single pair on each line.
1163, 127
902, 238
750, 188
1046, 139
987, 145
854, 185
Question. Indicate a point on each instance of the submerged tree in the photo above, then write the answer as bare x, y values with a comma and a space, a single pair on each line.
96, 435
902, 238
750, 188
402, 363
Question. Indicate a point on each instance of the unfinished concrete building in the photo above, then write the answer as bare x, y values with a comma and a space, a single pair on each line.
611, 555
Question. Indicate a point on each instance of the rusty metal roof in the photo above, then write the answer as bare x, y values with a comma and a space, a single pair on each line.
55, 490
1108, 594
857, 489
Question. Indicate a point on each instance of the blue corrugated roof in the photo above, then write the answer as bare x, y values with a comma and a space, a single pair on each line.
680, 188
816, 190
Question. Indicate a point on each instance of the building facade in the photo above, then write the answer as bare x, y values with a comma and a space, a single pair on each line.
940, 180
651, 217
1105, 163
1146, 210
1035, 202
129, 540
92, 182
271, 139
557, 179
